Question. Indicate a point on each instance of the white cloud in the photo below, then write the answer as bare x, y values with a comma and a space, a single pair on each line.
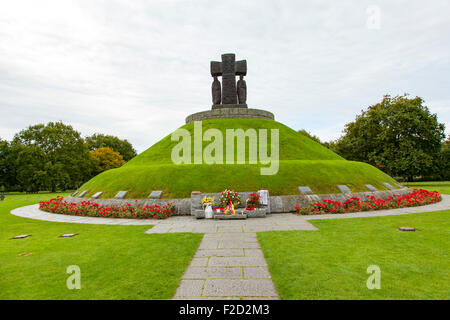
136, 69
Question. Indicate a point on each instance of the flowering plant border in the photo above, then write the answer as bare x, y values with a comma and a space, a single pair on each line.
91, 209
418, 197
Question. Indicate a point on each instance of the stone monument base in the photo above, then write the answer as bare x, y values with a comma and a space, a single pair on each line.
223, 106
226, 112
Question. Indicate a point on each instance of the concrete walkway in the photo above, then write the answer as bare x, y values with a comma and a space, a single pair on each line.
227, 265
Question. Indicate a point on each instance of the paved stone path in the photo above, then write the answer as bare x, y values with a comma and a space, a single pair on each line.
33, 212
229, 263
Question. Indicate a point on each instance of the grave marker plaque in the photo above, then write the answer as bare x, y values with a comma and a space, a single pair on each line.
155, 194
82, 194
121, 195
96, 195
387, 185
343, 188
305, 190
370, 187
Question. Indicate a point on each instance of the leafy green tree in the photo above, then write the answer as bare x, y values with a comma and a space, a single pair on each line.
107, 158
442, 170
399, 135
63, 155
123, 147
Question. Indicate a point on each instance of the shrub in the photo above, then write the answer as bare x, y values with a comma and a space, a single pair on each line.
92, 209
417, 197
254, 201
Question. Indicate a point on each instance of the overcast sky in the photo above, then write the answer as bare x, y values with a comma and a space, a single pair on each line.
136, 69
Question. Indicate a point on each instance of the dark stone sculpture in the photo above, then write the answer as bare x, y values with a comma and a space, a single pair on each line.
216, 91
228, 69
242, 90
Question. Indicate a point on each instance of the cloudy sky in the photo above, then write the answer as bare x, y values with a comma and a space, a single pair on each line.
136, 69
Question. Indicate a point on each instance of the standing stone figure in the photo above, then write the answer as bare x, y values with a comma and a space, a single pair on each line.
216, 91
242, 90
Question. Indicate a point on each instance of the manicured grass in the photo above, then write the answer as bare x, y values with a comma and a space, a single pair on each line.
116, 262
331, 263
302, 162
440, 186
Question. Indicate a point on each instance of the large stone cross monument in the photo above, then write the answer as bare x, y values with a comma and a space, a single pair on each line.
230, 95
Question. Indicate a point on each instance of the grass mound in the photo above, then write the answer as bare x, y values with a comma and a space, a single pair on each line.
302, 162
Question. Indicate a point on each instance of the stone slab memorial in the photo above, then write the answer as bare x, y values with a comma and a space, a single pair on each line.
155, 194
81, 195
343, 188
121, 195
389, 186
305, 190
370, 187
96, 195
230, 112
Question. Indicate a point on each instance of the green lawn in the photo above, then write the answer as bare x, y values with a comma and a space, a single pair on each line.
116, 262
331, 263
440, 186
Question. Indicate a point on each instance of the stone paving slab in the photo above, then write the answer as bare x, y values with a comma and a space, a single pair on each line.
256, 273
190, 288
237, 261
212, 273
220, 253
240, 288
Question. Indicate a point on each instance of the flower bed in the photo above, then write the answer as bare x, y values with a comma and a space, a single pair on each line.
91, 209
417, 197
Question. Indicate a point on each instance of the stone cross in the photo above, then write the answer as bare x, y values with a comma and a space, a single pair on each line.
228, 69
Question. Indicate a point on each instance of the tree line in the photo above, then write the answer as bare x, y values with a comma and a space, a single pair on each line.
55, 157
400, 136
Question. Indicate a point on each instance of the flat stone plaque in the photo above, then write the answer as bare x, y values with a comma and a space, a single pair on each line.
82, 194
68, 235
407, 229
305, 190
74, 194
155, 194
121, 195
387, 185
399, 185
343, 188
22, 236
370, 187
96, 195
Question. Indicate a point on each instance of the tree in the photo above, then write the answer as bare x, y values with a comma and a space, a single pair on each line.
399, 135
442, 169
62, 154
107, 159
123, 147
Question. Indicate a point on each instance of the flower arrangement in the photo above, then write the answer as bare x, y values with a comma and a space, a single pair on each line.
417, 197
207, 200
254, 201
228, 196
91, 209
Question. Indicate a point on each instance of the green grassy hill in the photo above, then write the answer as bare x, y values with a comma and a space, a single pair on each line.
302, 162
